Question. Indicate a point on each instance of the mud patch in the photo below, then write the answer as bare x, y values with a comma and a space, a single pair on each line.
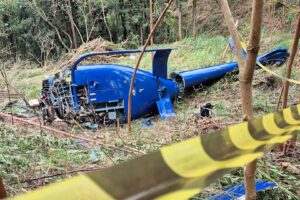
268, 83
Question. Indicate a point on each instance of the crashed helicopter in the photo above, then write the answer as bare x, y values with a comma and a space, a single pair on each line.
98, 93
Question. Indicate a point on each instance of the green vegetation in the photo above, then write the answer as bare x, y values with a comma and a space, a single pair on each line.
190, 53
41, 31
34, 35
27, 155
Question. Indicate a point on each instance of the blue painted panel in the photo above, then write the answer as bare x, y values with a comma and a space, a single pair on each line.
200, 76
109, 82
83, 57
165, 108
239, 190
231, 44
160, 63
279, 54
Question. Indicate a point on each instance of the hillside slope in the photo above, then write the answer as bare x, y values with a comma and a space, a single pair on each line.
56, 155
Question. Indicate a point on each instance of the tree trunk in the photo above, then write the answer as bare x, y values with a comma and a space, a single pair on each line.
294, 50
290, 63
151, 25
233, 32
105, 22
246, 75
142, 35
42, 14
151, 22
7, 84
123, 19
246, 86
194, 28
139, 61
70, 14
179, 23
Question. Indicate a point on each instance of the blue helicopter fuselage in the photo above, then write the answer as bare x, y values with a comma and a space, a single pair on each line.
97, 93
111, 82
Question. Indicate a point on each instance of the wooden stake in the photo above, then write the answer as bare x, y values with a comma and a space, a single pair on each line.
290, 63
246, 74
139, 61
246, 86
3, 193
286, 84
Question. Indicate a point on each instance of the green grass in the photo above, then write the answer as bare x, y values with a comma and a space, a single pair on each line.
205, 50
27, 155
190, 53
28, 80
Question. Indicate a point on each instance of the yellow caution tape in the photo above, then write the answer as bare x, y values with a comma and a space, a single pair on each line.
277, 75
243, 42
182, 170
244, 46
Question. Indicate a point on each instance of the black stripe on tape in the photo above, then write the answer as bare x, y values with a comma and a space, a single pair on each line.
199, 182
295, 112
130, 178
279, 120
257, 130
219, 146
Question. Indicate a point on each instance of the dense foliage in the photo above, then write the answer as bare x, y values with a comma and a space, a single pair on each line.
41, 30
